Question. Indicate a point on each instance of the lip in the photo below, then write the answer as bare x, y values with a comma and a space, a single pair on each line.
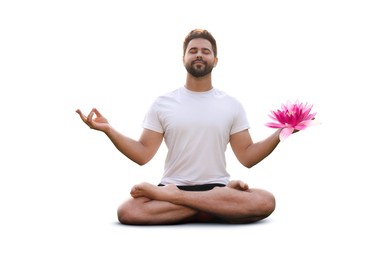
199, 62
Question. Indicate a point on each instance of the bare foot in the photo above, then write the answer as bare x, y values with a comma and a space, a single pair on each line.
238, 185
150, 191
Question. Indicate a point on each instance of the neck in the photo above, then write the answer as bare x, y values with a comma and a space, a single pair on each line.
199, 84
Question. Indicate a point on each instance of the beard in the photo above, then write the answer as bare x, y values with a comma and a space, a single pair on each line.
199, 72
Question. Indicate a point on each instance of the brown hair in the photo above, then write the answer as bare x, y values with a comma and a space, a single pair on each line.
200, 33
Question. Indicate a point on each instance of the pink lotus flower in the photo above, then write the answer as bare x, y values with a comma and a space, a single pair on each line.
291, 117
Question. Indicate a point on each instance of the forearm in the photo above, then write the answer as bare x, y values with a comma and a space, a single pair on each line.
132, 149
256, 152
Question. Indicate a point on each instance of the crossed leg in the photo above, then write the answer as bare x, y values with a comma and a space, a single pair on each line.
235, 203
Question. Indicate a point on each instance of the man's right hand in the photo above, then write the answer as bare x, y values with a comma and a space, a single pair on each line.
95, 120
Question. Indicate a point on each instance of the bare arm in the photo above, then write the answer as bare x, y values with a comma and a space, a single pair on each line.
140, 152
248, 153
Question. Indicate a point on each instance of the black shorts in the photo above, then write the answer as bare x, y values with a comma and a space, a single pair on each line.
202, 187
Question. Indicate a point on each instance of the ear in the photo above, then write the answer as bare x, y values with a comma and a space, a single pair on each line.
215, 61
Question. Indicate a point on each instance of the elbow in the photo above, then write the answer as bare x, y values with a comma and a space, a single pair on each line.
252, 161
140, 161
248, 164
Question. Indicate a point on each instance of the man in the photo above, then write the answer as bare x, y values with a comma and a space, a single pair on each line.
196, 122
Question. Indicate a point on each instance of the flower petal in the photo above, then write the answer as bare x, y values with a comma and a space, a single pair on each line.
286, 132
311, 122
293, 116
275, 125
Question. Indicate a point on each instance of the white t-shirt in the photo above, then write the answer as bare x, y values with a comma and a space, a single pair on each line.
197, 128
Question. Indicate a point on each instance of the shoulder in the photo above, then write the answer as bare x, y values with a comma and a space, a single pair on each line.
166, 97
224, 95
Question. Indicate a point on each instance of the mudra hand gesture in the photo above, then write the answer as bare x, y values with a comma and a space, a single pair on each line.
95, 120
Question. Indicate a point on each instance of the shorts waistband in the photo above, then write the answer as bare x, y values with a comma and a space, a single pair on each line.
201, 187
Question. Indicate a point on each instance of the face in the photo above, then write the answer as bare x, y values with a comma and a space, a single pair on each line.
199, 59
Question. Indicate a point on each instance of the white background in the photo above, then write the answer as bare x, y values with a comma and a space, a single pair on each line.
61, 183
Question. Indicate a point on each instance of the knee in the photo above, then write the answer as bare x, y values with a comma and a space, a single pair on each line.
127, 215
266, 204
123, 216
270, 204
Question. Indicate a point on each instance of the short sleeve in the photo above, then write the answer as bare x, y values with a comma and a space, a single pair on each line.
240, 122
152, 120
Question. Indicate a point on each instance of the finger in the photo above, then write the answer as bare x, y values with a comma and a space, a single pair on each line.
97, 112
90, 117
82, 116
78, 111
244, 186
